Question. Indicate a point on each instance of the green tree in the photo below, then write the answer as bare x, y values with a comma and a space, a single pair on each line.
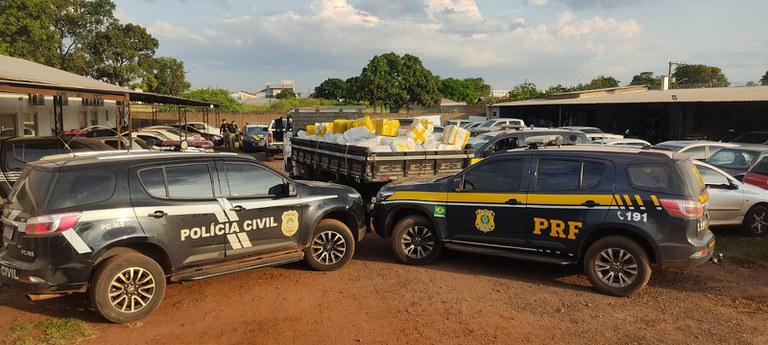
77, 22
394, 82
353, 92
483, 89
332, 88
165, 76
219, 96
524, 91
26, 30
458, 90
646, 78
602, 82
286, 94
764, 79
121, 53
700, 76
559, 89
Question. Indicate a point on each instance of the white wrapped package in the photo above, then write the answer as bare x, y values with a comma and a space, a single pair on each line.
357, 134
301, 134
381, 148
456, 136
418, 132
429, 145
403, 144
369, 143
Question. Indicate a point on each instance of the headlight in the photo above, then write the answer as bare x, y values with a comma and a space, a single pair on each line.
382, 195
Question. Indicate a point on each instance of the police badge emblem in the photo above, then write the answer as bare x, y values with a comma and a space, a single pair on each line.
484, 221
290, 222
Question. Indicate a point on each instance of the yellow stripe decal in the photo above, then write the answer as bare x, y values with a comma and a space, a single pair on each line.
639, 200
618, 200
569, 199
628, 200
480, 198
655, 200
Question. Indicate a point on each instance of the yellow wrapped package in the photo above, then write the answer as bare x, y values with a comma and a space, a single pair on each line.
323, 128
418, 132
402, 144
456, 136
364, 122
311, 129
428, 124
387, 128
341, 126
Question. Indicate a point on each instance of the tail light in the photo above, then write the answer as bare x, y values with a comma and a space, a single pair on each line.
269, 138
50, 224
683, 208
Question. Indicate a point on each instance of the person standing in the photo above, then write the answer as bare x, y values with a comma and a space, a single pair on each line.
233, 134
224, 131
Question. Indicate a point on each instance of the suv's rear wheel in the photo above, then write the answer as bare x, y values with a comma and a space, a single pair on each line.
415, 242
756, 221
332, 246
617, 266
127, 287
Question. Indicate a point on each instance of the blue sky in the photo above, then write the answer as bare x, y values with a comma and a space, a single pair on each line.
242, 45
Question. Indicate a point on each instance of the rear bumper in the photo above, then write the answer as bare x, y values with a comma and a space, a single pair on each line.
39, 278
686, 255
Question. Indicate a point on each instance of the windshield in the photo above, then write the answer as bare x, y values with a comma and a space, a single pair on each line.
30, 191
732, 159
254, 130
668, 147
480, 140
488, 123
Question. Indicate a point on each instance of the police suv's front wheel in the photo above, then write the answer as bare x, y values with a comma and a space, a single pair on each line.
617, 266
332, 246
415, 242
127, 287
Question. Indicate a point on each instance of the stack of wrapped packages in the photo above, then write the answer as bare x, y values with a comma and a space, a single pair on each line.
382, 135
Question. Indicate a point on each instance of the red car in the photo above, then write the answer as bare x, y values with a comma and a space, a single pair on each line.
758, 174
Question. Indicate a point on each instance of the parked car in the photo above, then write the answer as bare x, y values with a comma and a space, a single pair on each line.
757, 174
276, 132
119, 226
593, 133
737, 160
455, 122
255, 138
175, 137
614, 211
470, 125
487, 143
190, 127
16, 152
622, 142
698, 149
754, 137
496, 124
159, 141
734, 203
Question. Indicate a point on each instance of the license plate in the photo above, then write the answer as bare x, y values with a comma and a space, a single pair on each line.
8, 232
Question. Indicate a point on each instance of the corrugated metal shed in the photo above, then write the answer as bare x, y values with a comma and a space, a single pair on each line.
719, 94
22, 76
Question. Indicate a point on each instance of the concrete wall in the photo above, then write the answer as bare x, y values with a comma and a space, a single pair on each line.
16, 113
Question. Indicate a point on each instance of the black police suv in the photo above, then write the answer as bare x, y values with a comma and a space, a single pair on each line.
117, 225
615, 211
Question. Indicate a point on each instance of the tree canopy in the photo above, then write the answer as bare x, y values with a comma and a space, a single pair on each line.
165, 76
646, 78
219, 96
286, 94
700, 76
332, 89
393, 82
459, 90
764, 79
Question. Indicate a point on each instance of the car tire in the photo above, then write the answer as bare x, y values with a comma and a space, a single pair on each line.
617, 266
756, 221
127, 287
415, 241
331, 247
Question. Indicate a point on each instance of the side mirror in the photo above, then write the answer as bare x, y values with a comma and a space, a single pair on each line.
457, 184
291, 188
487, 152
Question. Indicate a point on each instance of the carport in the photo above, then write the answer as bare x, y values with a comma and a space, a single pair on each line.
655, 115
28, 89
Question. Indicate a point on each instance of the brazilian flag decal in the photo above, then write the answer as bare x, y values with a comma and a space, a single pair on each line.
439, 210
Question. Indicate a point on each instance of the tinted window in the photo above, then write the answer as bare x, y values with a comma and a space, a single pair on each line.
711, 177
593, 173
153, 182
31, 190
189, 181
23, 153
558, 175
497, 176
658, 178
761, 167
81, 188
732, 159
698, 152
251, 180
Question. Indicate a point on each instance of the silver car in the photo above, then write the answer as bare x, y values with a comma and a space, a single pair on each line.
732, 202
698, 149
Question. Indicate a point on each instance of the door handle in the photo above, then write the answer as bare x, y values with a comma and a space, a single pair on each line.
512, 202
590, 203
237, 208
157, 214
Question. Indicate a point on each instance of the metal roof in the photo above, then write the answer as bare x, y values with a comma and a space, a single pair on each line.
715, 94
23, 76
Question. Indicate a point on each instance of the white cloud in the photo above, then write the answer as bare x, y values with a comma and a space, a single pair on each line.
163, 30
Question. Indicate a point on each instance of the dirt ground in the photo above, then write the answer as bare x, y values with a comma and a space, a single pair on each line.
461, 299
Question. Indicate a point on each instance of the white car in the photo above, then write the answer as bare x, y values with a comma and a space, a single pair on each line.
622, 142
496, 124
732, 202
698, 149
